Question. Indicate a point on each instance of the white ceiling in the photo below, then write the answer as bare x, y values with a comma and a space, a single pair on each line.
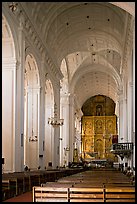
90, 36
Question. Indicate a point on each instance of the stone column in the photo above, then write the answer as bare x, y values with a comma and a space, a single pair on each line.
37, 107
42, 119
72, 127
56, 133
8, 114
120, 133
19, 114
124, 125
130, 97
133, 135
64, 131
48, 135
129, 120
124, 104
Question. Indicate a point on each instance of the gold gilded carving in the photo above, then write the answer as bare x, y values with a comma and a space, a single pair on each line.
87, 142
99, 148
109, 127
88, 128
75, 155
99, 126
97, 133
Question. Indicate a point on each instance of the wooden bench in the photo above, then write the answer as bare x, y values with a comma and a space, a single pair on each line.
84, 194
65, 194
58, 193
6, 192
50, 194
56, 184
14, 181
119, 194
9, 187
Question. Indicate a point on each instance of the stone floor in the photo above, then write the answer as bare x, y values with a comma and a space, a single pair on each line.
25, 197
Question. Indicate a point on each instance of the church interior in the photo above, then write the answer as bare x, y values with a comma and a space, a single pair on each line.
68, 101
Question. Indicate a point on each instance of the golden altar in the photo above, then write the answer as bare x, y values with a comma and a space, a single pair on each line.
97, 133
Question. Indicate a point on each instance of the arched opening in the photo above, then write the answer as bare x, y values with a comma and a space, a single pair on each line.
31, 113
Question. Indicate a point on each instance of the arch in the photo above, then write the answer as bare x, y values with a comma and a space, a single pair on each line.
8, 45
31, 112
31, 71
13, 31
91, 68
30, 51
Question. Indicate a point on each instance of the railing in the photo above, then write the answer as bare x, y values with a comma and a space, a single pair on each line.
122, 149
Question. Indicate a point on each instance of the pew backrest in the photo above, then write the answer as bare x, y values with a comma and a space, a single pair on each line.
50, 194
120, 194
84, 194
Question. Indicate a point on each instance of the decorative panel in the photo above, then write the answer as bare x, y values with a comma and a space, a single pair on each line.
97, 135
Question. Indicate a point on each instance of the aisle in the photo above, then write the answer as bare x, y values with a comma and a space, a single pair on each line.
25, 197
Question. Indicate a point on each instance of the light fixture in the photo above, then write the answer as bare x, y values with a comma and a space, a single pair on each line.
67, 149
54, 121
33, 138
13, 6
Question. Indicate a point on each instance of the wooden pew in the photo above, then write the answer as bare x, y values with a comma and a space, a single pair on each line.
72, 184
58, 192
17, 183
6, 191
26, 183
65, 194
50, 194
119, 193
56, 184
84, 194
10, 183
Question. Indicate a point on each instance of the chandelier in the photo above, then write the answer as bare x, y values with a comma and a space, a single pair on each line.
67, 149
13, 6
54, 121
33, 138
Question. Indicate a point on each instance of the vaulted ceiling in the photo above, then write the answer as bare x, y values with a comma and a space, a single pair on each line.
91, 37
